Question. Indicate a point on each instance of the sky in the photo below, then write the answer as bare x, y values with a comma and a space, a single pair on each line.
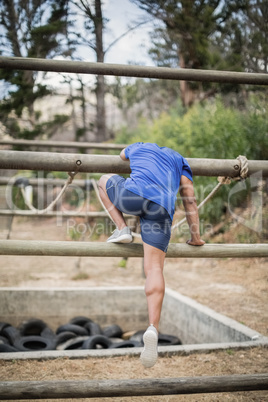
133, 48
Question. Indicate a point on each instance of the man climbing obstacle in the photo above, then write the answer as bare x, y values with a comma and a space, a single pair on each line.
157, 174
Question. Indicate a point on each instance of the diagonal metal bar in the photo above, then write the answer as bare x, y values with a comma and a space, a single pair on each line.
68, 66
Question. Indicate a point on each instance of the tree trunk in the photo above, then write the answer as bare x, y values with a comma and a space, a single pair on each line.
100, 85
187, 94
83, 107
28, 76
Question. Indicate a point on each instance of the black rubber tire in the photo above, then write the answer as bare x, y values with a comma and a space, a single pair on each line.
112, 331
4, 348
34, 342
80, 320
96, 341
21, 182
126, 344
168, 340
34, 326
47, 333
93, 328
138, 336
77, 329
73, 344
3, 325
64, 336
4, 340
11, 333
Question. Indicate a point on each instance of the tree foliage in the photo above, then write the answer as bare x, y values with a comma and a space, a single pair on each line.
209, 130
143, 97
94, 24
242, 43
29, 29
209, 34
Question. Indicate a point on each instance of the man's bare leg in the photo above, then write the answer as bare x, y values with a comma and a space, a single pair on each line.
155, 291
115, 214
155, 283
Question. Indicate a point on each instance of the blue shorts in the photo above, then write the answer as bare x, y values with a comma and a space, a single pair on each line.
155, 221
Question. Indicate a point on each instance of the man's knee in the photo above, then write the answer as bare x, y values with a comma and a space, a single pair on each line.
103, 180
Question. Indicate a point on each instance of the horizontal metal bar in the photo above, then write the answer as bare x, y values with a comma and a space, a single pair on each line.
64, 144
66, 162
61, 214
40, 182
81, 67
95, 249
11, 390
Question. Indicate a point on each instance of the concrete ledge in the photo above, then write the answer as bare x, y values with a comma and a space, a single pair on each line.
163, 351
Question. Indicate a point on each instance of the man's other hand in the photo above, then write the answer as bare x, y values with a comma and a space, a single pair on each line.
199, 242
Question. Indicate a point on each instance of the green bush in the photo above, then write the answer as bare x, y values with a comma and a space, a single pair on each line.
209, 130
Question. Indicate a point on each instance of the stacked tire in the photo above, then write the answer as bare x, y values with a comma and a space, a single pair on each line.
79, 333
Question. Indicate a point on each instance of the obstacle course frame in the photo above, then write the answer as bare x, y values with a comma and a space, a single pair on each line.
22, 160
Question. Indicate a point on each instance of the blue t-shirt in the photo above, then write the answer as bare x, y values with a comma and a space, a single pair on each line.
156, 173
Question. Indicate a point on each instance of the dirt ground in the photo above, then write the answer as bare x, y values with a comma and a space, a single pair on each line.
234, 287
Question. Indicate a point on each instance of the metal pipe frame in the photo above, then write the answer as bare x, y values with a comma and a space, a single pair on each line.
17, 390
64, 144
96, 249
66, 162
82, 67
61, 214
11, 181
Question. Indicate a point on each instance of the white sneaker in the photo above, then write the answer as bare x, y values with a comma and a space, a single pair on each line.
149, 354
121, 236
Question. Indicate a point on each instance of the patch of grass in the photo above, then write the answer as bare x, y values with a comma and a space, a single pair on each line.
74, 234
123, 263
80, 276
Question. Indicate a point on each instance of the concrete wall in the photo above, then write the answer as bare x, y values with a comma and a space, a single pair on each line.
192, 322
195, 323
124, 306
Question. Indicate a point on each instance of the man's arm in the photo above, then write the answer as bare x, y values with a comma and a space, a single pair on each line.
122, 155
190, 206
